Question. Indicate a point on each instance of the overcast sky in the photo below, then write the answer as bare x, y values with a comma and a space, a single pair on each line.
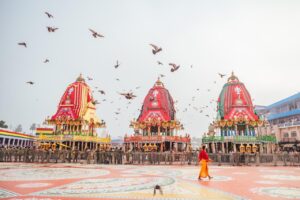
258, 40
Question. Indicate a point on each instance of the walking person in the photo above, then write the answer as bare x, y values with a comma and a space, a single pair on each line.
204, 159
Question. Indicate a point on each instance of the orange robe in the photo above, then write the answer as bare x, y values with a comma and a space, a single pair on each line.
203, 158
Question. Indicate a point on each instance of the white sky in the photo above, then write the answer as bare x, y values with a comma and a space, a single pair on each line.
259, 40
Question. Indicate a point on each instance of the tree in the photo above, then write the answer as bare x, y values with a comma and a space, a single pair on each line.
33, 127
2, 124
19, 128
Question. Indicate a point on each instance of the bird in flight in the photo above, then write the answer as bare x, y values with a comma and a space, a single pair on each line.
162, 75
221, 75
128, 95
174, 67
49, 15
51, 29
117, 64
207, 115
155, 49
101, 91
159, 63
95, 34
46, 61
117, 79
30, 82
89, 78
22, 44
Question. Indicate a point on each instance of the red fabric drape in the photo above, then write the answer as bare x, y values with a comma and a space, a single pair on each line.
203, 155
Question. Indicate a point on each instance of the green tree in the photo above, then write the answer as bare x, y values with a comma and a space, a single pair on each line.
19, 128
33, 127
2, 124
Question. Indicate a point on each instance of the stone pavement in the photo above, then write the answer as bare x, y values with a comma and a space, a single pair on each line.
20, 181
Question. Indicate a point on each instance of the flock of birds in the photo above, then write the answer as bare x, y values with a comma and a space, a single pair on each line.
129, 95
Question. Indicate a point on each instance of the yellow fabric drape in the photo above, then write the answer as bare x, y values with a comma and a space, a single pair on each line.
204, 169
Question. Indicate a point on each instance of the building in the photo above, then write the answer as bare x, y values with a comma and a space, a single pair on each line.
236, 127
11, 138
156, 128
284, 121
75, 123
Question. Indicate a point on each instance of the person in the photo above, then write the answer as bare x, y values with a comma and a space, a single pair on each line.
157, 187
204, 159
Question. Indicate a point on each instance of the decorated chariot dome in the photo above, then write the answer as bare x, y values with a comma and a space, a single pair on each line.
77, 104
237, 126
158, 104
157, 126
235, 102
75, 123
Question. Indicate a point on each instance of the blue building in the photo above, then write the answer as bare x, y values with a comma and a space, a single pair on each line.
284, 119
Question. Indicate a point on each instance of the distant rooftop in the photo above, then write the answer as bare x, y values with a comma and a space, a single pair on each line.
286, 100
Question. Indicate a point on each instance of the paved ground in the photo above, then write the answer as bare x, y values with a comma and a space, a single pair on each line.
20, 181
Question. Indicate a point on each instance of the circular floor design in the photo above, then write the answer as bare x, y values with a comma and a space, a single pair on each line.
50, 173
280, 192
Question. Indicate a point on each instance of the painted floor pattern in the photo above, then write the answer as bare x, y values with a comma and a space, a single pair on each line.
21, 181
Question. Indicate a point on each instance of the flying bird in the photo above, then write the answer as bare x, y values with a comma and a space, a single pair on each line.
128, 95
117, 64
221, 75
30, 82
162, 75
101, 91
155, 49
117, 79
174, 67
117, 113
95, 34
207, 115
22, 44
159, 63
46, 61
51, 29
49, 15
89, 78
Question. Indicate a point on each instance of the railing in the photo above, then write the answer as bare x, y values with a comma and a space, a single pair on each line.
149, 158
288, 124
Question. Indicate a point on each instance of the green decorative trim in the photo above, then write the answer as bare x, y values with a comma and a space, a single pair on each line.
264, 138
212, 139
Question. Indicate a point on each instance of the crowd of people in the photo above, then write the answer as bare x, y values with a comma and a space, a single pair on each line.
63, 155
117, 155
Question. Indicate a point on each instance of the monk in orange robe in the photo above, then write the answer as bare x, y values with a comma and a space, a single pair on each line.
203, 159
